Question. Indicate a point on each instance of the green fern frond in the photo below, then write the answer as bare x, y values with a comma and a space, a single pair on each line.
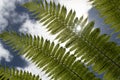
94, 48
48, 56
110, 10
13, 74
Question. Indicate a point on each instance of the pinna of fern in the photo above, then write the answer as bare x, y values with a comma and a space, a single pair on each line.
13, 74
94, 48
48, 56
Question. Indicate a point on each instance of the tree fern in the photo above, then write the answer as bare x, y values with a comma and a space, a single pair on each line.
95, 49
13, 74
48, 56
110, 10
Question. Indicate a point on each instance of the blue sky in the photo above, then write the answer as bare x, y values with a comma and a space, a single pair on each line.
14, 17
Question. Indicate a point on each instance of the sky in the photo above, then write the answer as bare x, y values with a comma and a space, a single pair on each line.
13, 16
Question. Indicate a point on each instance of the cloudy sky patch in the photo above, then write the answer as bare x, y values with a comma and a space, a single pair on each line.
4, 53
80, 6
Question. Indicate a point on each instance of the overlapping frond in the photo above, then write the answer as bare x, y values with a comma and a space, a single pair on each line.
13, 74
110, 10
95, 49
48, 56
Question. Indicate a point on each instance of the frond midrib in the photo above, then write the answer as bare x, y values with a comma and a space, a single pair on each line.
85, 40
28, 44
52, 57
99, 50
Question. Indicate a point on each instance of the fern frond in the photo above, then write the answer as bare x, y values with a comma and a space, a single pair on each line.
94, 48
13, 74
110, 10
48, 56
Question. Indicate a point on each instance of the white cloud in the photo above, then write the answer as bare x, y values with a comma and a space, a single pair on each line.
7, 9
80, 6
4, 54
6, 6
3, 23
35, 28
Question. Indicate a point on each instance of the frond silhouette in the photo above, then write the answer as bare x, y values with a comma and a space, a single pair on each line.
95, 49
92, 49
48, 56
